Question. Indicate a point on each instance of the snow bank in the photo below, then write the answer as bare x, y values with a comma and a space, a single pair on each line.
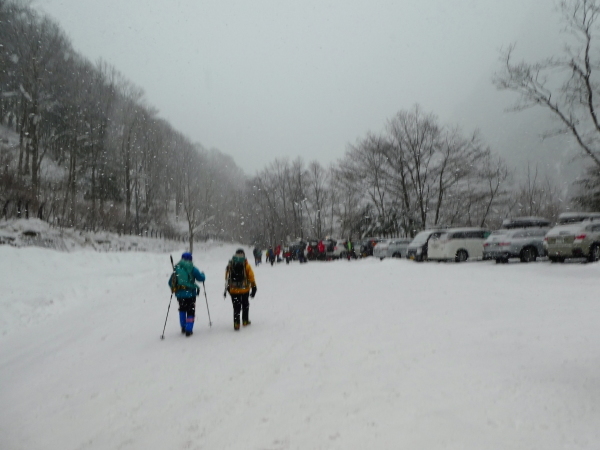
37, 233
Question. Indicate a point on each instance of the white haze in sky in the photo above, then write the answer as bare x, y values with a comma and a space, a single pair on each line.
269, 78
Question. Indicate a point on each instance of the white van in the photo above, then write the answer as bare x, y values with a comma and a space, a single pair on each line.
458, 244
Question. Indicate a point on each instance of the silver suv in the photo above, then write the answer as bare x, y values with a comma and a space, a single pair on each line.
398, 248
527, 244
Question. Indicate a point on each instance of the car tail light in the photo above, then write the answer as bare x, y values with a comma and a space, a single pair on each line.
486, 244
546, 238
580, 237
504, 244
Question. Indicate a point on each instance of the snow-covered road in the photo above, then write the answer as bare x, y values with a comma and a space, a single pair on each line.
340, 355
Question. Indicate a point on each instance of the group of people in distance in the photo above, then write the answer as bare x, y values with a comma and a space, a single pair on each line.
313, 253
272, 255
240, 284
276, 255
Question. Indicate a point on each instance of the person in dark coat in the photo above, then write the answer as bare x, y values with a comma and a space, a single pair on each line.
257, 256
240, 284
271, 255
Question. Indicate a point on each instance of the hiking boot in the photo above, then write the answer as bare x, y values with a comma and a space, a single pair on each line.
236, 326
246, 323
182, 330
188, 333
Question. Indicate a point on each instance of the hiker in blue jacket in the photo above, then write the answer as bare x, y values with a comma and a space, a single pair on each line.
183, 284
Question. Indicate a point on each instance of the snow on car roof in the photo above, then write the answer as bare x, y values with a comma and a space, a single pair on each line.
567, 215
453, 230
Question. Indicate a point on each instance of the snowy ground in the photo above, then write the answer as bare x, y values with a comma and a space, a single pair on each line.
340, 355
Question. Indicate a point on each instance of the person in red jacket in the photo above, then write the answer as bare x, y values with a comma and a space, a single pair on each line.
321, 249
277, 253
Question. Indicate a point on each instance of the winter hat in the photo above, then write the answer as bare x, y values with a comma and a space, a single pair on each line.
240, 251
187, 256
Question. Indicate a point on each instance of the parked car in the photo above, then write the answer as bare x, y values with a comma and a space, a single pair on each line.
367, 246
391, 248
398, 248
587, 242
458, 244
525, 222
524, 243
332, 248
572, 238
380, 250
342, 248
418, 248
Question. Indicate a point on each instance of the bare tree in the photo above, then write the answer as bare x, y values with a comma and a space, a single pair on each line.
566, 85
494, 174
416, 141
588, 186
537, 197
318, 195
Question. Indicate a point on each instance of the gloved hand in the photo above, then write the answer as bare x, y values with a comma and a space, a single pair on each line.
253, 292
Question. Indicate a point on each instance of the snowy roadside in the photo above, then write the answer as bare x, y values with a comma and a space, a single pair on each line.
37, 233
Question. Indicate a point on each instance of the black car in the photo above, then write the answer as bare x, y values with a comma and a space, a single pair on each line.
367, 246
330, 247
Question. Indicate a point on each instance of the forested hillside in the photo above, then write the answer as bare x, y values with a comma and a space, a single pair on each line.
81, 147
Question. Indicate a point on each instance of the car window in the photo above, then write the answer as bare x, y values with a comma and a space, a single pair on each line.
458, 235
538, 233
571, 219
422, 237
519, 235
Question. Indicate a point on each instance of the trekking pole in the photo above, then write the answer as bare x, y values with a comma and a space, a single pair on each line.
163, 334
209, 321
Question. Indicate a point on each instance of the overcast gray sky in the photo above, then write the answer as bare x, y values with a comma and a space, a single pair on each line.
260, 79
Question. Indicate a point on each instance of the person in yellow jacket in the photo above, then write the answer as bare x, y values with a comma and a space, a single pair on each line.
240, 284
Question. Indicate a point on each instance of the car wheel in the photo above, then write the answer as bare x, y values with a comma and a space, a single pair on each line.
461, 256
397, 255
381, 258
528, 254
501, 260
594, 253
